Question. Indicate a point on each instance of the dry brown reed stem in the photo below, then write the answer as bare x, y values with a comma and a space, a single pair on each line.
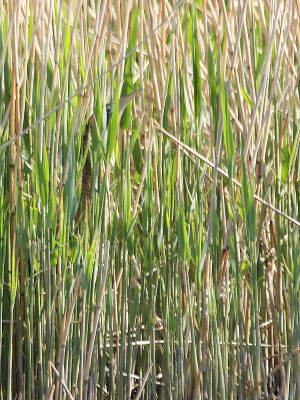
263, 84
123, 44
184, 50
141, 388
237, 41
51, 389
228, 38
64, 337
50, 392
250, 63
267, 116
118, 19
152, 70
11, 24
24, 69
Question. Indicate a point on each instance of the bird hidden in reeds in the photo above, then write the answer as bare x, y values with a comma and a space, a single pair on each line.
87, 171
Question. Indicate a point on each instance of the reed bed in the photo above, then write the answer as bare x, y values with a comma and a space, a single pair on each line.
156, 257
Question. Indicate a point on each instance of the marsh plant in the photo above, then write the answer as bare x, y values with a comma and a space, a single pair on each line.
151, 253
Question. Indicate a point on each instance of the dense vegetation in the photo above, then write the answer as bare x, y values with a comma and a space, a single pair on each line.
155, 255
